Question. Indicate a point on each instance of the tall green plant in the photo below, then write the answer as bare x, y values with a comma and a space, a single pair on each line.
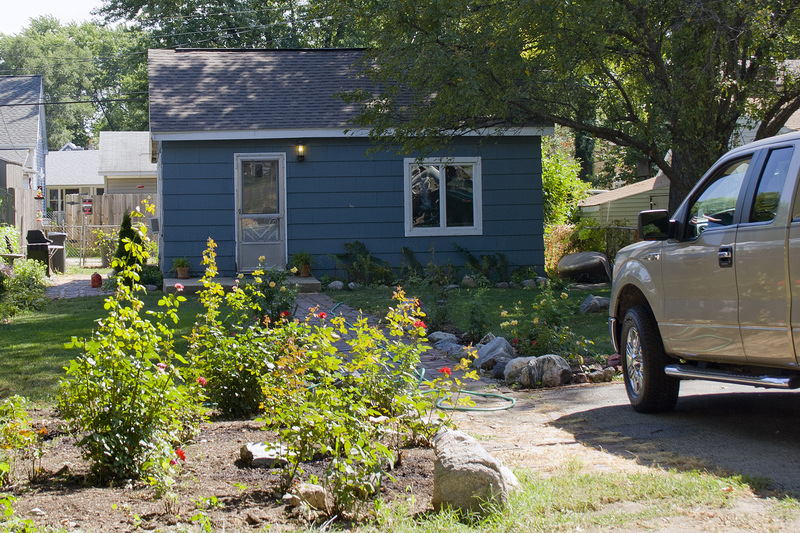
129, 396
562, 189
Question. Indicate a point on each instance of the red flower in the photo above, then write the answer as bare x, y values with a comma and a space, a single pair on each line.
284, 314
181, 454
420, 324
202, 381
178, 287
446, 371
515, 342
534, 343
162, 367
323, 315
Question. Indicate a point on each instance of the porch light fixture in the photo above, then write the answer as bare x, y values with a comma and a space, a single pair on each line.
300, 149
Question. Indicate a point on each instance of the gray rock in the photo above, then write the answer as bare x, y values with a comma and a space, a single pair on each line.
598, 376
499, 369
585, 267
151, 288
580, 377
490, 352
552, 371
336, 285
542, 281
468, 282
437, 336
264, 455
466, 477
453, 286
501, 285
489, 337
609, 373
594, 304
512, 285
451, 349
529, 284
353, 286
515, 368
308, 493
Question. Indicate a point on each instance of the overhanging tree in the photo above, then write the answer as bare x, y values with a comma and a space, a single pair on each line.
683, 75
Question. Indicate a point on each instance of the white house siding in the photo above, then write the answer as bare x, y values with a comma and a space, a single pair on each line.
627, 208
130, 185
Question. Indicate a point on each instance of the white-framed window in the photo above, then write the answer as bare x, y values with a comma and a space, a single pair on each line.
443, 196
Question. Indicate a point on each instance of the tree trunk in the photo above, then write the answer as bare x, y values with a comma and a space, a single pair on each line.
686, 172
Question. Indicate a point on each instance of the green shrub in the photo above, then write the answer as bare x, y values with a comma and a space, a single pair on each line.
361, 266
12, 233
562, 189
20, 442
129, 396
25, 286
127, 236
233, 356
478, 325
543, 330
271, 293
489, 267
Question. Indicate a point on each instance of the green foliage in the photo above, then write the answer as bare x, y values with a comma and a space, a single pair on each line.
411, 270
104, 244
232, 356
478, 325
128, 236
490, 267
441, 275
302, 258
562, 188
12, 233
129, 395
646, 75
180, 262
20, 442
361, 266
543, 330
357, 407
24, 288
102, 66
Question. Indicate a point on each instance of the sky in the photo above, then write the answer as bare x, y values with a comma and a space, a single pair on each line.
16, 14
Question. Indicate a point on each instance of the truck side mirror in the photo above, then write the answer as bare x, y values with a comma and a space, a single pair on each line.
654, 225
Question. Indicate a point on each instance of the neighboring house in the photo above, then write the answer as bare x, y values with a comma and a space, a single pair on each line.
229, 124
125, 164
625, 203
71, 170
23, 134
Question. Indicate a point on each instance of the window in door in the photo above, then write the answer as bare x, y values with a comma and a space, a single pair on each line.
716, 205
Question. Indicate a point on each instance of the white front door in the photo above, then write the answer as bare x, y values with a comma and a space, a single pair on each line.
261, 210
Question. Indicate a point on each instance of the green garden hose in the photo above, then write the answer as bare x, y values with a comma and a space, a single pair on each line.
440, 402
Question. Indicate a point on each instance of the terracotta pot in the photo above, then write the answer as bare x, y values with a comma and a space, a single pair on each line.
305, 271
183, 272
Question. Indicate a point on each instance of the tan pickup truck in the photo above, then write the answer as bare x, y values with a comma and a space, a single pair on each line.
714, 291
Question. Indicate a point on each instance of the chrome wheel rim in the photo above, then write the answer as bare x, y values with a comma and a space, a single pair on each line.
633, 360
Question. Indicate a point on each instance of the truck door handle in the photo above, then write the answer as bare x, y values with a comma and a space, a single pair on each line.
725, 256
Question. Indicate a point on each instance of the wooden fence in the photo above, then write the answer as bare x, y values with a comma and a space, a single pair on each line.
106, 209
19, 208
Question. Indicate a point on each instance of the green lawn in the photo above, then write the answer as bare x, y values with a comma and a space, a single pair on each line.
377, 300
32, 355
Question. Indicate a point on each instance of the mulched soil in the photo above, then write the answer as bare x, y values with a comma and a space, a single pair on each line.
246, 497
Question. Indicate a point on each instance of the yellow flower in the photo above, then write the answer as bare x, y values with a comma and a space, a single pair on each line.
293, 270
283, 288
271, 284
504, 313
514, 323
536, 320
564, 296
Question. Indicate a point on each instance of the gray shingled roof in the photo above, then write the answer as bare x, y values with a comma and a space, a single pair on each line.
226, 90
19, 124
73, 167
125, 152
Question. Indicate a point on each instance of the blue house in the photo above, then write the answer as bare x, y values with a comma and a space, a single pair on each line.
256, 150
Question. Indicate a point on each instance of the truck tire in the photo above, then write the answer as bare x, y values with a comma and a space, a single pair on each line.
649, 389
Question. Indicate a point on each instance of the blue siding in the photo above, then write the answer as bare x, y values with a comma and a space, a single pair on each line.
341, 194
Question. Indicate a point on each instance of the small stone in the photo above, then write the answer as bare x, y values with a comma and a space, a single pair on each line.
542, 281
512, 285
594, 304
609, 373
499, 369
452, 286
489, 337
336, 285
437, 336
468, 282
580, 377
614, 360
309, 493
37, 512
353, 286
598, 376
529, 284
151, 288
264, 455
501, 285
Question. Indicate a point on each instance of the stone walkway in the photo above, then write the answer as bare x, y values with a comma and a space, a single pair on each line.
78, 286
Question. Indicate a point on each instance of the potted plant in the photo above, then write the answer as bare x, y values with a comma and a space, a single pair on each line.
302, 261
181, 266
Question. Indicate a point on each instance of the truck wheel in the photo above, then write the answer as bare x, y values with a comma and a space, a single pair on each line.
649, 389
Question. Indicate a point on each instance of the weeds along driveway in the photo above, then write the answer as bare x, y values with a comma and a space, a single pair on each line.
715, 427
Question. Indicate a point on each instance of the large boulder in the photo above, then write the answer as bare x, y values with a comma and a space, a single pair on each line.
437, 336
533, 372
587, 267
466, 477
489, 353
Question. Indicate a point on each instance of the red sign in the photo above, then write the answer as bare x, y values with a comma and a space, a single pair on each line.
87, 207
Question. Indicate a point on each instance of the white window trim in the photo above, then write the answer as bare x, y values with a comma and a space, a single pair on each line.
443, 230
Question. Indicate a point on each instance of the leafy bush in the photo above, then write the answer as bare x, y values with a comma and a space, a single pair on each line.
20, 442
129, 396
489, 267
103, 245
127, 236
12, 233
24, 288
355, 407
478, 325
543, 330
232, 357
361, 266
585, 236
271, 293
562, 189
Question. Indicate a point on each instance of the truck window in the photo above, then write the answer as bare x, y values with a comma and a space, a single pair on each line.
716, 204
770, 185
